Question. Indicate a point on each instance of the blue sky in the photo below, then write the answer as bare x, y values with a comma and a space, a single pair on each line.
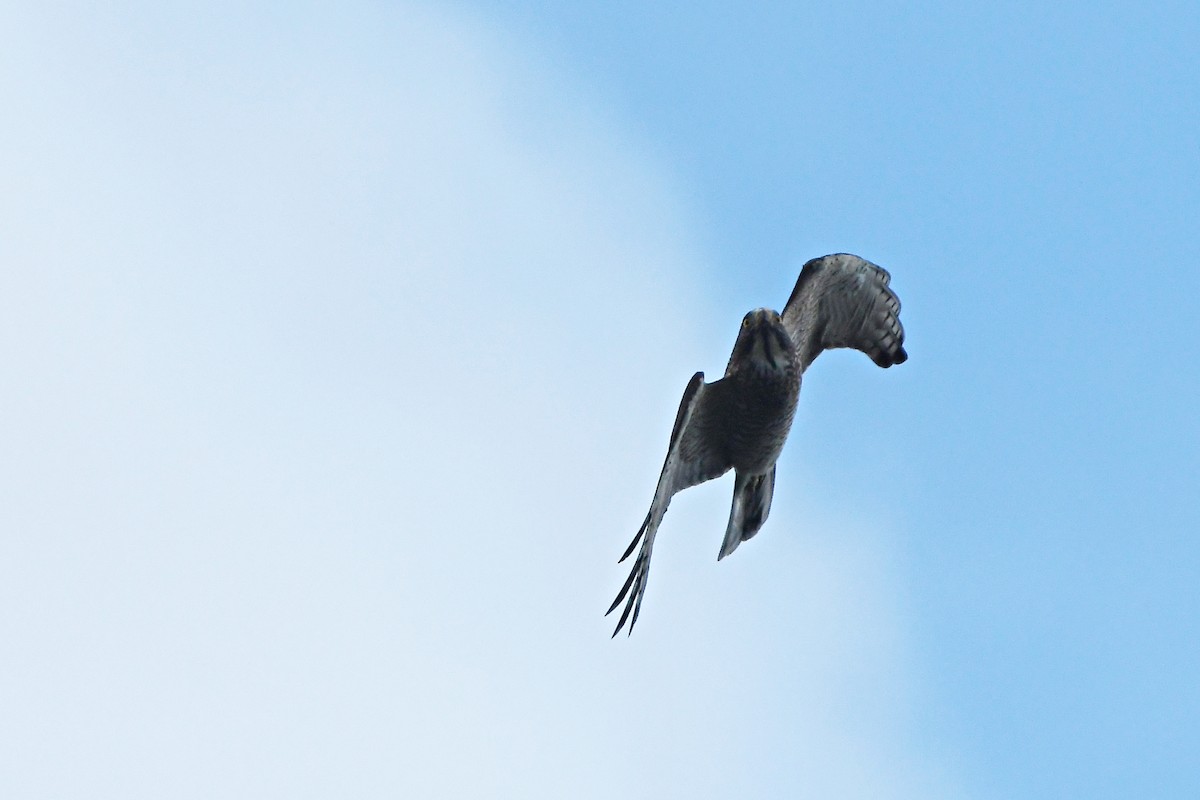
1031, 173
342, 345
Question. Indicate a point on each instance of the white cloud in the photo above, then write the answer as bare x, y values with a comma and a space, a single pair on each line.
341, 350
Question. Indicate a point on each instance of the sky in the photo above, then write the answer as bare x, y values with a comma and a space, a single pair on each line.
341, 346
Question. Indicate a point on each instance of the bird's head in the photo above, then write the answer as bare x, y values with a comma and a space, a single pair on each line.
763, 343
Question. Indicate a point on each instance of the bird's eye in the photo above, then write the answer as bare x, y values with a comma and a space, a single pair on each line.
745, 322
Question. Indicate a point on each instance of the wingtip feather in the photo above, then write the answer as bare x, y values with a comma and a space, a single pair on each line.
637, 538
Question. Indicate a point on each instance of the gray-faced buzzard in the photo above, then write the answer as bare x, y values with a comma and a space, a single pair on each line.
741, 421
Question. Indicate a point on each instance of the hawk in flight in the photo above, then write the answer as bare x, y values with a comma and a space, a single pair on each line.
741, 421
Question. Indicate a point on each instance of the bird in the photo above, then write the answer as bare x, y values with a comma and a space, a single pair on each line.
741, 421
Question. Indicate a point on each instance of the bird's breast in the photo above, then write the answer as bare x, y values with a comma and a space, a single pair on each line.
758, 423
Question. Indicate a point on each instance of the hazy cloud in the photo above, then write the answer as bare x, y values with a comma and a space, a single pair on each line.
341, 350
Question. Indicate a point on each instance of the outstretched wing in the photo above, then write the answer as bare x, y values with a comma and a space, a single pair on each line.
696, 454
842, 300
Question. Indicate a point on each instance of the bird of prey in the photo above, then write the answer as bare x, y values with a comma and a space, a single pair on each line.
741, 421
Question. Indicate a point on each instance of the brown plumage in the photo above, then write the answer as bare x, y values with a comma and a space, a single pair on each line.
741, 421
